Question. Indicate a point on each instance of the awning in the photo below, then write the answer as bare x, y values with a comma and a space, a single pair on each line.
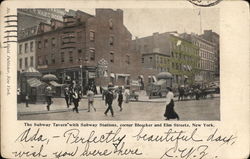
185, 76
160, 82
122, 75
34, 82
49, 77
55, 84
141, 76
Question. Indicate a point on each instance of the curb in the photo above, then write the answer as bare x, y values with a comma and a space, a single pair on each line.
47, 112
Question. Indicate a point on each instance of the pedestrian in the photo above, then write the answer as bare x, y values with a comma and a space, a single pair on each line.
90, 95
181, 93
120, 99
127, 94
70, 95
48, 97
109, 100
197, 94
170, 112
27, 100
76, 99
67, 96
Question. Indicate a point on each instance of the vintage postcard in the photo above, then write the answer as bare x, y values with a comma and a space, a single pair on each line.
125, 79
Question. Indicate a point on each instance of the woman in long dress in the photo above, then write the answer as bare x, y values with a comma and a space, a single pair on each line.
170, 112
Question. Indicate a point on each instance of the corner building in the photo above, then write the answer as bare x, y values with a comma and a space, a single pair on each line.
74, 48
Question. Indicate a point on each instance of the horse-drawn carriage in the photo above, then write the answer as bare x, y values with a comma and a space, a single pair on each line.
158, 88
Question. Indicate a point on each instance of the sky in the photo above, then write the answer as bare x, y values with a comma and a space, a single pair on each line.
144, 22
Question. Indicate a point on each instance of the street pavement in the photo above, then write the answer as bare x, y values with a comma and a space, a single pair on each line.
143, 110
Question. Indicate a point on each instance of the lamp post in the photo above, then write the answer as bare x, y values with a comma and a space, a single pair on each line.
81, 78
81, 68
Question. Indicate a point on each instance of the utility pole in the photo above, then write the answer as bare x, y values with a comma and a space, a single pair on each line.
200, 21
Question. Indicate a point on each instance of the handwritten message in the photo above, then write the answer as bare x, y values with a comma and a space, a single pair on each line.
117, 142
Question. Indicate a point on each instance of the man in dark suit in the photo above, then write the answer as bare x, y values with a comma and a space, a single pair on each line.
48, 97
109, 100
67, 96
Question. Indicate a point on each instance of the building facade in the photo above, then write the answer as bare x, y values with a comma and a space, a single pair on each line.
26, 49
75, 48
213, 37
168, 52
207, 53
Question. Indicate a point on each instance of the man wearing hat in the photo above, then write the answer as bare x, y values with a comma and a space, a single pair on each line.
48, 97
67, 96
109, 100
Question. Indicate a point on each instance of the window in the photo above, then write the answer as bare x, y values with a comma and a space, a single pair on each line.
110, 24
40, 60
31, 61
45, 43
111, 40
53, 60
20, 63
79, 55
92, 36
31, 46
53, 42
70, 56
92, 54
150, 59
79, 35
127, 59
172, 54
39, 44
26, 62
46, 60
20, 49
62, 57
26, 47
142, 60
112, 57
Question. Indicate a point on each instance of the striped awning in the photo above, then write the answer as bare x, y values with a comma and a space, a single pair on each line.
55, 84
34, 82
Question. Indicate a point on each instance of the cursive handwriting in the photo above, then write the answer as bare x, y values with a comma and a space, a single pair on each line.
192, 152
72, 136
179, 143
30, 153
59, 154
214, 137
169, 136
26, 137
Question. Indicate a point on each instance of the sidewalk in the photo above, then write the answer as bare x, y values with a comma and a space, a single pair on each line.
58, 106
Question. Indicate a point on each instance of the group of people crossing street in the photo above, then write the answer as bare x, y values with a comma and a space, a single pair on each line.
73, 95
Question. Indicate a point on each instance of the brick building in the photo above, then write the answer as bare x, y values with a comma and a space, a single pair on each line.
169, 52
73, 48
207, 53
